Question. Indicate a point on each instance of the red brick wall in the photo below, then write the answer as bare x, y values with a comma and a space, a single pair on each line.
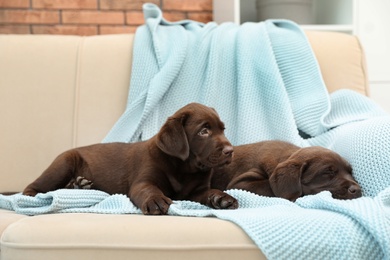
91, 17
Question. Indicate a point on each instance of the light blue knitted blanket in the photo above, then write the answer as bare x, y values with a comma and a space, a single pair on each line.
314, 227
264, 81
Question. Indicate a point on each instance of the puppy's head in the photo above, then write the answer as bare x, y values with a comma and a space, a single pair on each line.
312, 170
195, 134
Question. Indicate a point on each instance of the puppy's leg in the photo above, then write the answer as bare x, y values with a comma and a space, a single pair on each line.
149, 198
57, 175
215, 199
252, 181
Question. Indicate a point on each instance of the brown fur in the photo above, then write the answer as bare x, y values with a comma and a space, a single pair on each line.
174, 164
281, 169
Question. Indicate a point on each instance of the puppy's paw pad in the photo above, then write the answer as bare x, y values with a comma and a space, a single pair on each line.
83, 183
80, 183
222, 200
156, 206
228, 202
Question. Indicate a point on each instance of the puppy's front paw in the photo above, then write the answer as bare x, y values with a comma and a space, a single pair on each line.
29, 192
157, 205
221, 200
80, 183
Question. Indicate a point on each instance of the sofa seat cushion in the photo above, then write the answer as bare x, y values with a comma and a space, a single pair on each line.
8, 217
100, 236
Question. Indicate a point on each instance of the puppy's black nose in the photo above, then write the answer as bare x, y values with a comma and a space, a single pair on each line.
355, 190
227, 150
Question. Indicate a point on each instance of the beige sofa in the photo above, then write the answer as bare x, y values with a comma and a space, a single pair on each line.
59, 92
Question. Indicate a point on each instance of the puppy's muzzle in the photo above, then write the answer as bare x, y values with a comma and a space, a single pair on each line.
354, 191
218, 158
227, 152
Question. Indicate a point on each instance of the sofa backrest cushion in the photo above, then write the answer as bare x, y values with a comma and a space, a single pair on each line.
57, 92
341, 59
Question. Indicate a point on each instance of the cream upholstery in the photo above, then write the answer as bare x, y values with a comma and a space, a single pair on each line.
59, 92
341, 60
90, 236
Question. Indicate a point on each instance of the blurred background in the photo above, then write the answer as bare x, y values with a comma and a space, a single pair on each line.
91, 17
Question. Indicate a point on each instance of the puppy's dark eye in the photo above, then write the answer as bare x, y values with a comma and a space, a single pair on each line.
330, 172
204, 132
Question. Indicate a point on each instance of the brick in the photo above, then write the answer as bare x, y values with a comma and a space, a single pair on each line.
135, 17
203, 17
65, 4
65, 30
107, 29
125, 4
188, 5
174, 16
14, 3
93, 17
29, 17
14, 29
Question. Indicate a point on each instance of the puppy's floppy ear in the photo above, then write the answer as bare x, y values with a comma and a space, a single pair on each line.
172, 138
285, 180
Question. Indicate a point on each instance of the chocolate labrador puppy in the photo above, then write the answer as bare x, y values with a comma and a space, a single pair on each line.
174, 164
281, 169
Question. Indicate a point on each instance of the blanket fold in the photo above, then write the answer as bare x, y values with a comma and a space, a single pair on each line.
68, 201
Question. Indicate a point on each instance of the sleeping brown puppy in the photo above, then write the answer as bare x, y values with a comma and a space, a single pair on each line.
281, 169
174, 164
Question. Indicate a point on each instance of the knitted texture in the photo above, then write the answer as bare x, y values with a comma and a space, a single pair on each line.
262, 78
69, 201
314, 227
224, 67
